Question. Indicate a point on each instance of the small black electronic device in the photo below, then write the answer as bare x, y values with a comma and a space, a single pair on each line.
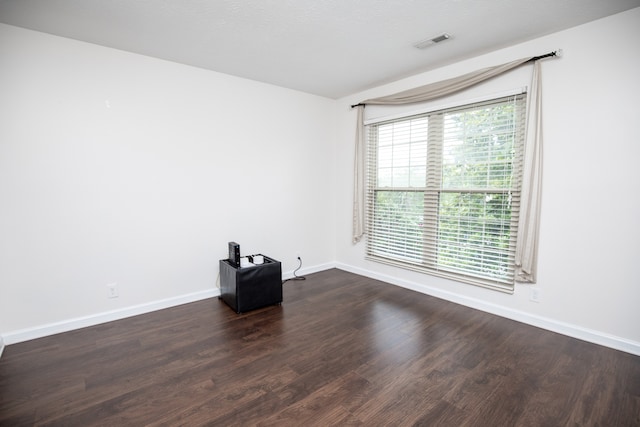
234, 254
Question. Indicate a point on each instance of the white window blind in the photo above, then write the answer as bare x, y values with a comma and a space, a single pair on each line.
443, 191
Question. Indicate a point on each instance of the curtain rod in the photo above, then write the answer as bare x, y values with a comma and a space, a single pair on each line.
533, 59
546, 55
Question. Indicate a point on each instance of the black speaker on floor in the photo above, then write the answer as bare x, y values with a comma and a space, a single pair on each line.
248, 288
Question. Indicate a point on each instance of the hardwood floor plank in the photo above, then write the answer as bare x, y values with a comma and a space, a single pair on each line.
314, 406
342, 349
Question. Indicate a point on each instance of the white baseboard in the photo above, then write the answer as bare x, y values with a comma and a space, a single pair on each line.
574, 331
107, 316
1, 345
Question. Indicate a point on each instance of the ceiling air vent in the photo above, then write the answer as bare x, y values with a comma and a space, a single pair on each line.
430, 42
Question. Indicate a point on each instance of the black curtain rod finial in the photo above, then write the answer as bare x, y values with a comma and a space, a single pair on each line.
557, 53
357, 105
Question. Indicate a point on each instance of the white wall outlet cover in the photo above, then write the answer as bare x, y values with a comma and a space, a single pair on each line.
534, 294
112, 290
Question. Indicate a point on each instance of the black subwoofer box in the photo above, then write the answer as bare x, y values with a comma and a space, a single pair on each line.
248, 288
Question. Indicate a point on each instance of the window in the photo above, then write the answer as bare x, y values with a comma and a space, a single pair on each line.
443, 191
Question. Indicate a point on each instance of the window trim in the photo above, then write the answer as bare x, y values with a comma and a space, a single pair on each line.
433, 193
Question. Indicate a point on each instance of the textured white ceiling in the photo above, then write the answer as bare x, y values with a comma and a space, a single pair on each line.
330, 48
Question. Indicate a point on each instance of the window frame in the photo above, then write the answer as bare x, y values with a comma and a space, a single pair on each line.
432, 192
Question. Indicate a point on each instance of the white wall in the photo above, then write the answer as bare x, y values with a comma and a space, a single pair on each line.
116, 167
589, 251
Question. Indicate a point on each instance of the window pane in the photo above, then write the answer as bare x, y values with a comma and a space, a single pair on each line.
418, 176
398, 221
385, 177
478, 148
385, 157
474, 233
402, 153
401, 177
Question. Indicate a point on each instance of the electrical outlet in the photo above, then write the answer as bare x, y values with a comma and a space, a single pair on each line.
112, 290
534, 294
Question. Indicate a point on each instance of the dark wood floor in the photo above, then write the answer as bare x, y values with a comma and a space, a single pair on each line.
341, 350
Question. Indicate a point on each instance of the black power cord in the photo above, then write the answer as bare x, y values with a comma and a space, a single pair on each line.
295, 276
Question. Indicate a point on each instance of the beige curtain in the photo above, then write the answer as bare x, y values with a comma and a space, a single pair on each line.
528, 223
445, 87
358, 180
528, 227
